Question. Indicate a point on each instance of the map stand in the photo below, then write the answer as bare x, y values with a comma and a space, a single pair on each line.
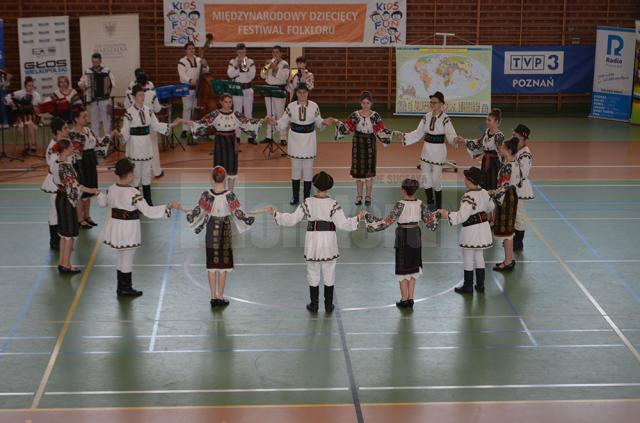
270, 92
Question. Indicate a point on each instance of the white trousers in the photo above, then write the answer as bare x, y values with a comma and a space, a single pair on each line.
188, 104
302, 168
431, 176
521, 216
125, 260
141, 173
275, 108
155, 162
243, 104
473, 258
100, 112
53, 214
325, 268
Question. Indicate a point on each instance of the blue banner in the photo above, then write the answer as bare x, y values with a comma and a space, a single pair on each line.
542, 69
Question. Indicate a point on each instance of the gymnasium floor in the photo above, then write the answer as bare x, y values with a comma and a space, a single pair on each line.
556, 340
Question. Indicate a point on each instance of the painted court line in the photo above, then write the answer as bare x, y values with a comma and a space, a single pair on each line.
523, 386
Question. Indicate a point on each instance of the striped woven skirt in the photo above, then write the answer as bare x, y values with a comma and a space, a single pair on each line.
504, 219
363, 156
224, 152
408, 247
219, 243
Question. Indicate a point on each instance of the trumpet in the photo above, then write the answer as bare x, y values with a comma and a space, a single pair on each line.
266, 67
244, 65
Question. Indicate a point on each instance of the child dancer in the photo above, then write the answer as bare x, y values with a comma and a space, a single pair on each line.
67, 197
525, 190
59, 130
324, 215
475, 237
507, 202
214, 212
408, 213
487, 147
122, 231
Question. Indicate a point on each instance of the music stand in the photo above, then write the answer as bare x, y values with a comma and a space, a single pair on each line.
271, 92
173, 139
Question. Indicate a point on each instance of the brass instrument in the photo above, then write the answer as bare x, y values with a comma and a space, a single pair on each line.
267, 67
244, 65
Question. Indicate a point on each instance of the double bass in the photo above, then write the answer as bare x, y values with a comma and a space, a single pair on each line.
205, 99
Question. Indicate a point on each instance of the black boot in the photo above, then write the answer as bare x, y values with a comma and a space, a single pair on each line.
253, 141
146, 193
295, 187
328, 299
518, 241
314, 293
467, 288
307, 189
54, 237
480, 280
127, 287
429, 193
438, 200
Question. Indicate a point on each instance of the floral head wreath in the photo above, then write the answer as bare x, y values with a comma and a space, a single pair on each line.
219, 169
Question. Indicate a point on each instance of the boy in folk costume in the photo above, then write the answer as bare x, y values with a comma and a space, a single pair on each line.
434, 129
214, 212
139, 120
524, 189
189, 69
59, 130
408, 213
324, 215
302, 117
122, 231
242, 70
275, 73
475, 208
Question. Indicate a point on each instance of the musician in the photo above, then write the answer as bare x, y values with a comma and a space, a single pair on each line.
5, 82
151, 101
23, 103
189, 69
65, 98
242, 70
301, 75
275, 73
97, 83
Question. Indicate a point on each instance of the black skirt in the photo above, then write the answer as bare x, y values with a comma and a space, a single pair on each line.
363, 156
490, 168
89, 165
219, 243
408, 250
504, 218
68, 225
224, 152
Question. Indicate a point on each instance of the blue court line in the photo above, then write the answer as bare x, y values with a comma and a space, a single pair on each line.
513, 309
617, 277
24, 309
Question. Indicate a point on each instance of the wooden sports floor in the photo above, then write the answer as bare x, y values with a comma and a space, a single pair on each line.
557, 340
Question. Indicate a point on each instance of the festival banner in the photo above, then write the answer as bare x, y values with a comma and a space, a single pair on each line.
461, 73
44, 51
542, 69
117, 39
613, 73
635, 106
305, 23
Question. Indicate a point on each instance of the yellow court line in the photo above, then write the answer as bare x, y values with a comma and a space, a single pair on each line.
585, 291
67, 322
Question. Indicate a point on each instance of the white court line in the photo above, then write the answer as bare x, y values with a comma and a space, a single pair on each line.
458, 387
198, 391
16, 394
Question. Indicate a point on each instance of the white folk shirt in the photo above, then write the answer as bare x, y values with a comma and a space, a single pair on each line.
278, 74
477, 236
86, 138
140, 147
435, 154
236, 74
301, 145
525, 161
486, 143
319, 245
190, 70
51, 157
36, 98
222, 121
150, 98
86, 82
307, 78
72, 97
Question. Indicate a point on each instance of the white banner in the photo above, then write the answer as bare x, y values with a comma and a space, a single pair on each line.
303, 23
613, 73
117, 39
44, 51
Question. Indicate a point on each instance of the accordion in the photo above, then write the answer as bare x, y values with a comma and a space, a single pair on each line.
100, 85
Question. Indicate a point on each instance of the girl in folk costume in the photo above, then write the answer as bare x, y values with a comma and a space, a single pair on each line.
59, 130
303, 118
66, 99
139, 120
475, 208
122, 231
225, 122
23, 103
525, 190
487, 147
367, 126
324, 215
214, 212
434, 129
507, 203
68, 196
408, 213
